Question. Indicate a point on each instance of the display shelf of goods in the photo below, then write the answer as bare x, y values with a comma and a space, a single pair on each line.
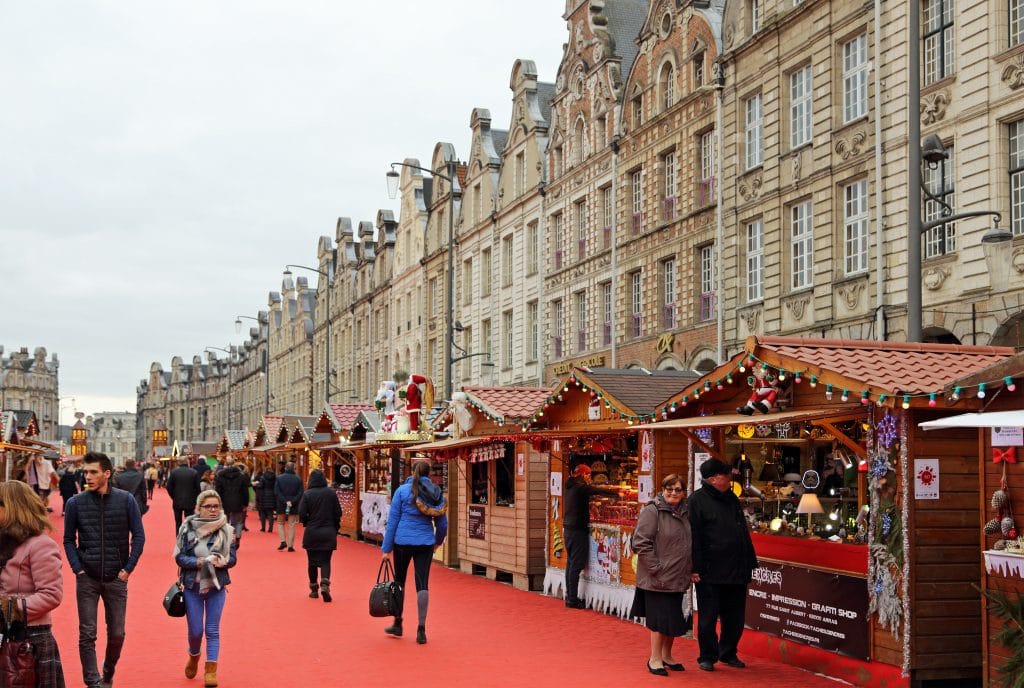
614, 511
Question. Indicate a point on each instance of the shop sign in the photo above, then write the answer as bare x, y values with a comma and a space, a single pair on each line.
375, 507
1007, 437
477, 522
594, 409
926, 478
646, 451
816, 608
556, 483
605, 554
520, 464
566, 367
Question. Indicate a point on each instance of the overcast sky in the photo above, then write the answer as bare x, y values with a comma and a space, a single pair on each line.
161, 162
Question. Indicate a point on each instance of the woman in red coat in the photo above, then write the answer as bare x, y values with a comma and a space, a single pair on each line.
30, 570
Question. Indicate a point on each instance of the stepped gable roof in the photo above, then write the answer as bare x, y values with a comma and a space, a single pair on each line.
343, 416
513, 404
639, 389
625, 20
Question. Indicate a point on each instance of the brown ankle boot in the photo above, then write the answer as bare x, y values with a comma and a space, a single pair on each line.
192, 666
210, 679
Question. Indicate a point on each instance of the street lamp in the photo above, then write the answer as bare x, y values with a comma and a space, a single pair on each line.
327, 347
238, 322
227, 421
932, 152
453, 186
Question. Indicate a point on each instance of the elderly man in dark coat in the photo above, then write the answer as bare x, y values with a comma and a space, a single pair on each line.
183, 487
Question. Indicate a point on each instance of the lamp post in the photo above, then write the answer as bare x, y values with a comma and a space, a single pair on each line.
327, 346
227, 420
392, 180
933, 152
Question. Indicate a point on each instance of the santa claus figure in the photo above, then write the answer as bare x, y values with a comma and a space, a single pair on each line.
766, 389
419, 397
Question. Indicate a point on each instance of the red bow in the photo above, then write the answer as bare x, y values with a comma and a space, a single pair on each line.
1009, 455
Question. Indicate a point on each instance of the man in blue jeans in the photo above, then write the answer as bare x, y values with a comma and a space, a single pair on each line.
103, 540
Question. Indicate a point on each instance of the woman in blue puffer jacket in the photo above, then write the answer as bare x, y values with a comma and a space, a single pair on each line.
417, 526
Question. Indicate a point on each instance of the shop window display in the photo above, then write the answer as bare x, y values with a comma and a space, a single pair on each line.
505, 477
479, 482
619, 473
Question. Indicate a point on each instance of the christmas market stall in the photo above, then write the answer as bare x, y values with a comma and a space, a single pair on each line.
496, 483
237, 444
15, 451
339, 461
999, 452
268, 438
401, 418
866, 565
601, 418
193, 450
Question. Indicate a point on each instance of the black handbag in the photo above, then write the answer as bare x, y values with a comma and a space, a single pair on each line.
174, 600
385, 593
17, 654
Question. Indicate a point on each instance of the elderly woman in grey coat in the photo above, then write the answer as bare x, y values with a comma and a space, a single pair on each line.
663, 545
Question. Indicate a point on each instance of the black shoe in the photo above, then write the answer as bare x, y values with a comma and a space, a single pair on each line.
706, 666
576, 604
421, 635
735, 663
674, 667
281, 547
660, 671
314, 591
395, 629
291, 549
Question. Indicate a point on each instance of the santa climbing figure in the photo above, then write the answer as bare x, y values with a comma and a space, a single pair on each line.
419, 397
762, 398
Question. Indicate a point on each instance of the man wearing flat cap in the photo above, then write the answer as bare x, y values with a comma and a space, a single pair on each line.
723, 559
576, 530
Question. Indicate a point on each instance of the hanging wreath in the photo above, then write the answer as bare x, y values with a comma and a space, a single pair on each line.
885, 530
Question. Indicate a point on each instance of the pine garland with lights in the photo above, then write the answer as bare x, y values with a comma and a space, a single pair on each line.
1010, 635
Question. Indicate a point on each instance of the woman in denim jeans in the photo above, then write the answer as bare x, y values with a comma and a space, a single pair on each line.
205, 550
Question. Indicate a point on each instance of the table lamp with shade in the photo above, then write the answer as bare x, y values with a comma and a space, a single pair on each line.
810, 505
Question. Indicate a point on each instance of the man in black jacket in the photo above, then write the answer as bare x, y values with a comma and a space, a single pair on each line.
576, 530
183, 487
233, 487
723, 559
288, 491
103, 540
133, 482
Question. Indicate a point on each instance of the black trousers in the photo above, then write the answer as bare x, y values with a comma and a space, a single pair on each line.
420, 556
267, 519
577, 549
179, 516
319, 561
725, 604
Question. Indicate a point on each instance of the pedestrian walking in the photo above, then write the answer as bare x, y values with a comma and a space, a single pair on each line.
265, 499
287, 493
664, 572
183, 487
576, 530
205, 479
320, 513
103, 540
152, 475
67, 483
41, 477
30, 570
233, 487
204, 551
134, 483
417, 526
723, 562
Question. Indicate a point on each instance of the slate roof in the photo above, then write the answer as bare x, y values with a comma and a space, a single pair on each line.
499, 137
625, 20
235, 438
891, 366
24, 417
640, 390
196, 447
545, 92
512, 404
344, 415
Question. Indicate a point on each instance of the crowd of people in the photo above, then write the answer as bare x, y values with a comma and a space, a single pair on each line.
702, 541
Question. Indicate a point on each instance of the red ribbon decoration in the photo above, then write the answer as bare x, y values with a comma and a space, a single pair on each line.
1007, 454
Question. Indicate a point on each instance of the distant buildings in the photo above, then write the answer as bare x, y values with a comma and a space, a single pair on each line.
30, 382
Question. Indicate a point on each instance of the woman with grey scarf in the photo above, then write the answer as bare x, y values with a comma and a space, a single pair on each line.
205, 550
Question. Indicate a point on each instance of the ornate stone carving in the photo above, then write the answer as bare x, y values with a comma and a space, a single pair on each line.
850, 292
750, 187
797, 305
729, 35
851, 146
933, 107
751, 319
1017, 261
933, 278
1013, 73
796, 168
598, 52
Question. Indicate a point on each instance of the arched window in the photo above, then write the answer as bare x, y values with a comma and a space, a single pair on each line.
666, 83
577, 142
